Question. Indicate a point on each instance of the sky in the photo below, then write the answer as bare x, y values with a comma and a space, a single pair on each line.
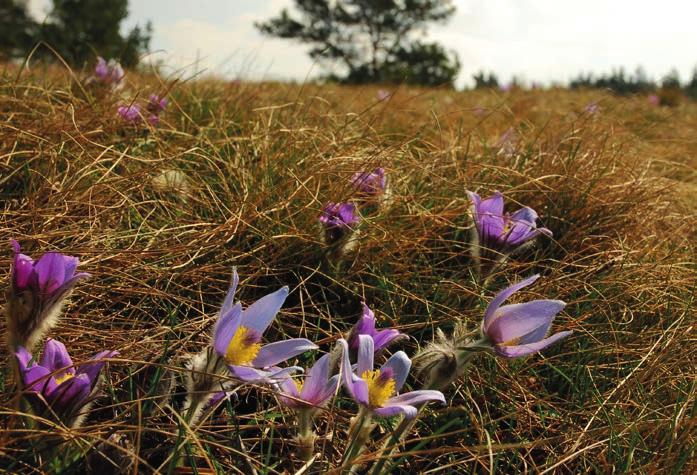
536, 40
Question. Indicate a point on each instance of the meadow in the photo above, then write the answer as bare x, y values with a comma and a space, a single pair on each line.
236, 174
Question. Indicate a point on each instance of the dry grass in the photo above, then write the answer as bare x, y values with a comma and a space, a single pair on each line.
617, 188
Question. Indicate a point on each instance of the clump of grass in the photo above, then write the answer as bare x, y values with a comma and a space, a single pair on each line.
259, 161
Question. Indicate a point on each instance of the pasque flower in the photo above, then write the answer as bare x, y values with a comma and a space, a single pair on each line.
366, 326
339, 220
520, 329
313, 391
372, 184
130, 113
110, 73
66, 389
156, 105
237, 338
37, 292
503, 232
377, 390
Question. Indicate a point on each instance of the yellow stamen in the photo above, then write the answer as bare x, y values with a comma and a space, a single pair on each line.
242, 348
299, 384
60, 379
380, 388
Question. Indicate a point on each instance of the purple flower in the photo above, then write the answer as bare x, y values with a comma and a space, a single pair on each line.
503, 232
37, 292
507, 87
110, 73
338, 220
65, 388
383, 95
377, 390
130, 113
366, 326
370, 183
157, 104
520, 329
592, 108
314, 391
654, 100
237, 338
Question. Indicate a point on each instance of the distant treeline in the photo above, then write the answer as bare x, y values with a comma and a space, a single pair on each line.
618, 81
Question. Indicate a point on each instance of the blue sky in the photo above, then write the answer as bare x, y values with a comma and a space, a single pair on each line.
538, 40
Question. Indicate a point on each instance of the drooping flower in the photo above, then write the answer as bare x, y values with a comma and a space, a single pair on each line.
377, 390
507, 142
339, 221
520, 329
366, 326
237, 338
314, 391
56, 382
370, 184
592, 108
502, 233
130, 113
156, 105
37, 292
109, 73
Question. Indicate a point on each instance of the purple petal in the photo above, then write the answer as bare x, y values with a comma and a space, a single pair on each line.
417, 397
366, 352
518, 321
255, 375
56, 357
23, 358
502, 297
400, 364
261, 313
279, 351
225, 329
489, 216
356, 387
230, 297
525, 350
383, 338
316, 379
95, 365
50, 271
409, 412
22, 269
525, 215
72, 392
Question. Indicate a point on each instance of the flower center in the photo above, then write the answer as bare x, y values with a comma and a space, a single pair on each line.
299, 384
61, 378
243, 347
381, 385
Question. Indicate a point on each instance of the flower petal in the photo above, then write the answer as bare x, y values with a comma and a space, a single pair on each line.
409, 412
230, 296
95, 365
50, 270
279, 351
417, 397
355, 386
73, 392
256, 375
23, 358
502, 297
400, 364
525, 350
261, 313
225, 328
56, 357
383, 338
366, 353
514, 322
316, 379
